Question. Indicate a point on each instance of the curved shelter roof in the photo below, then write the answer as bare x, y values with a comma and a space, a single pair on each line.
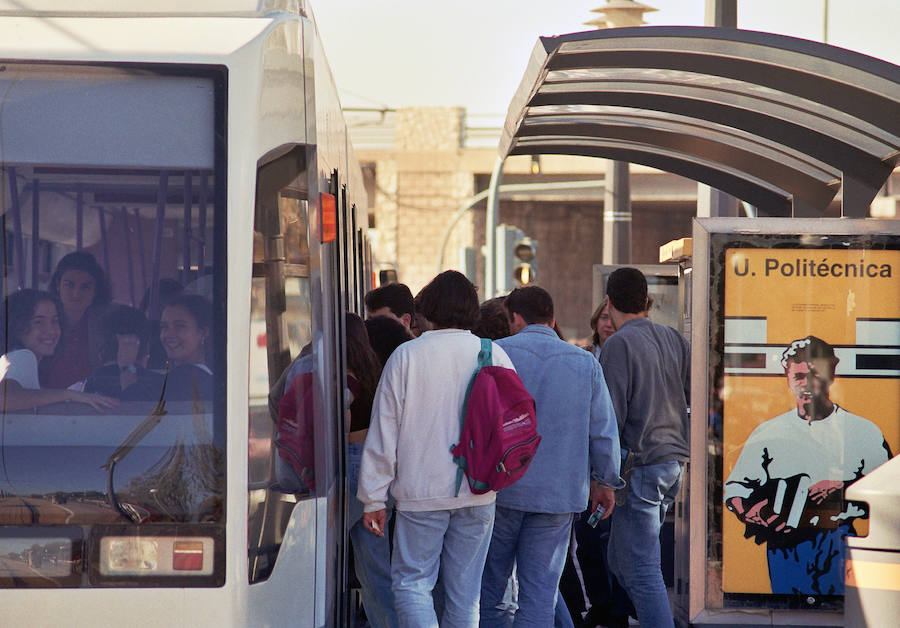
780, 122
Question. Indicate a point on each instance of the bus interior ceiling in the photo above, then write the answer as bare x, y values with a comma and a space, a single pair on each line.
141, 225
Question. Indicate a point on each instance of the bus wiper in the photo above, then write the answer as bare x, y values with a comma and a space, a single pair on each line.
135, 436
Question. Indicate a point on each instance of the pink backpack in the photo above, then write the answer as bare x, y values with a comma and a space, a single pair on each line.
499, 428
296, 438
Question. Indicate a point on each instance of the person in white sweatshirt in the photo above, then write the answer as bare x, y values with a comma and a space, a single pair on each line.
415, 422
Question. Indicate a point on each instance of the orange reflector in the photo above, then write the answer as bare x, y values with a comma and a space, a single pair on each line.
327, 217
187, 556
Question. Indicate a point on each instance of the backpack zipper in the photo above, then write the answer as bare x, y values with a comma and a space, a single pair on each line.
501, 466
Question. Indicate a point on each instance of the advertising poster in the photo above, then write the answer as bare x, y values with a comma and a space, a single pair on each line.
811, 402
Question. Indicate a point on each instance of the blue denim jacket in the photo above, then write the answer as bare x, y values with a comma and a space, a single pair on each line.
576, 421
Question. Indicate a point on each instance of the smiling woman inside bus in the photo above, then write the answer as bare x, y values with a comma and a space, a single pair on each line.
184, 332
32, 332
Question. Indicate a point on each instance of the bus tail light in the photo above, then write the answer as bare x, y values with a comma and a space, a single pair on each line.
187, 556
156, 556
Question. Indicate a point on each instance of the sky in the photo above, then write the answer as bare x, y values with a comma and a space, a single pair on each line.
472, 53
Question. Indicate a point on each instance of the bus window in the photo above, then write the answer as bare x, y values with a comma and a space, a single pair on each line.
281, 353
100, 446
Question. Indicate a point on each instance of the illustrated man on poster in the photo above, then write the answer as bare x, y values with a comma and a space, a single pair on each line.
788, 483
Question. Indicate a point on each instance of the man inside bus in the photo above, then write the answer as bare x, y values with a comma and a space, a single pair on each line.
394, 300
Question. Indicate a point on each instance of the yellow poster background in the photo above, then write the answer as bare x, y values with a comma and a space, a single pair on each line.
805, 302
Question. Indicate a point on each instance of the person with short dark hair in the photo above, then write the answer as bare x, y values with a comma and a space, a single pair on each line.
647, 369
415, 422
394, 300
808, 455
579, 442
126, 335
529, 305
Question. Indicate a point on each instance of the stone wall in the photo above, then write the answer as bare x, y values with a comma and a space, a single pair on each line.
419, 187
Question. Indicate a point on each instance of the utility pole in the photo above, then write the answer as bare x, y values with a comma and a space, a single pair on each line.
710, 201
617, 196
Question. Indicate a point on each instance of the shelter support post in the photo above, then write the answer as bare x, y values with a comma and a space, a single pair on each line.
617, 214
720, 13
713, 203
490, 228
856, 197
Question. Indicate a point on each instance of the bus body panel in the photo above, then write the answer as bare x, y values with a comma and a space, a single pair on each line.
219, 8
275, 67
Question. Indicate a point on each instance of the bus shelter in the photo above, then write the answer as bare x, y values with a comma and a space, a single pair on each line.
784, 125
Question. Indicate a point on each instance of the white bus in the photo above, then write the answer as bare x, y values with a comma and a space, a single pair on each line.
189, 148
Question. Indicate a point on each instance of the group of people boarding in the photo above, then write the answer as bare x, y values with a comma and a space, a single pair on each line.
71, 343
614, 434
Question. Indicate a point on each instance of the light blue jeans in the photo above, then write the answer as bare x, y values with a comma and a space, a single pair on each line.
634, 554
452, 542
371, 554
537, 544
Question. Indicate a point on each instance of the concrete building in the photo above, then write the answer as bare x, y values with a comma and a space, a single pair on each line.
423, 164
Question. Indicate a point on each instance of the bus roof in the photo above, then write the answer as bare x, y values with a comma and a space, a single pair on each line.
156, 8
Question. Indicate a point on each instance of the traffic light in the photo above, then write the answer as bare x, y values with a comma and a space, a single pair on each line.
525, 262
516, 259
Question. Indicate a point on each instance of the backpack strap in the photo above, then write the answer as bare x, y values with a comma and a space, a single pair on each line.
484, 356
484, 359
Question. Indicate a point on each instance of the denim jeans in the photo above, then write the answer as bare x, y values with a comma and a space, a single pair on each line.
634, 552
537, 543
452, 542
371, 555
561, 616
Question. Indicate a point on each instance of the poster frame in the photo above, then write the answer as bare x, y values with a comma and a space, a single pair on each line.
696, 551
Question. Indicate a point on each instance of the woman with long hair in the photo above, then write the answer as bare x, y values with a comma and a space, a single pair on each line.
363, 371
84, 291
601, 327
30, 333
371, 554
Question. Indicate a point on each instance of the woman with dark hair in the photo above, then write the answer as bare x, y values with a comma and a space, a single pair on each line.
84, 291
31, 332
371, 555
184, 329
493, 320
363, 371
385, 335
